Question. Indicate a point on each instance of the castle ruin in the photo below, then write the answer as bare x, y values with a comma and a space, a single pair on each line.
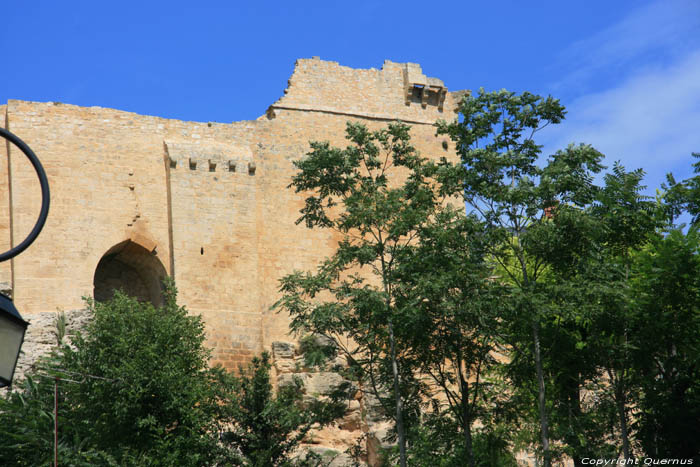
136, 198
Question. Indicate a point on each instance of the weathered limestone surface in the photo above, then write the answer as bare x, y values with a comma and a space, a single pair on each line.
5, 218
40, 337
206, 203
362, 424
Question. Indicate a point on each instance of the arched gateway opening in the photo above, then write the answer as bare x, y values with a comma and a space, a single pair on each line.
131, 268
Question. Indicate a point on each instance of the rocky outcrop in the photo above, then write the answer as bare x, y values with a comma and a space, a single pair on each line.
41, 336
363, 425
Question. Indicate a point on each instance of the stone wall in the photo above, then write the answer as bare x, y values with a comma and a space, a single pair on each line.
206, 203
363, 424
5, 203
40, 338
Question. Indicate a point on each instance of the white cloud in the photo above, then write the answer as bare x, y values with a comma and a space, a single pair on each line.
650, 118
662, 30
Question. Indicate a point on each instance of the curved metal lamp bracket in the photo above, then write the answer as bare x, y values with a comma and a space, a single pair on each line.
45, 198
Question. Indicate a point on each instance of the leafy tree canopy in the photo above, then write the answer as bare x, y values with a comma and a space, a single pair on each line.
135, 388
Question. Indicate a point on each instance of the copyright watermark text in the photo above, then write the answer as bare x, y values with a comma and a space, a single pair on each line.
642, 461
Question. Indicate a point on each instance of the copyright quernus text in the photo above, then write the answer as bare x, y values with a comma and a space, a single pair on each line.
642, 461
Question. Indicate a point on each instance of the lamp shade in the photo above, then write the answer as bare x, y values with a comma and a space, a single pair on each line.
12, 328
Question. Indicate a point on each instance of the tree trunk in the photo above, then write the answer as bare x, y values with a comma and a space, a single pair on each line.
468, 442
544, 422
575, 413
398, 399
620, 396
620, 390
400, 432
467, 424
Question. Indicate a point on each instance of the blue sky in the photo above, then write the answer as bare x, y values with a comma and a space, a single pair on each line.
627, 71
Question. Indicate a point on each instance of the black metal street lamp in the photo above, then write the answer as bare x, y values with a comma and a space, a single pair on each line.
12, 326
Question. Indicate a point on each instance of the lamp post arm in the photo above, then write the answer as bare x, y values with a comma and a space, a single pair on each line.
45, 197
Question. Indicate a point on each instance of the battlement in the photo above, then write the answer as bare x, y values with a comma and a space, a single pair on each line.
209, 157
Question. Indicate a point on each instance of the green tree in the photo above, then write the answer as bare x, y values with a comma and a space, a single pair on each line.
148, 388
627, 220
682, 197
665, 345
268, 427
437, 442
588, 251
448, 300
505, 187
26, 425
570, 294
377, 193
666, 284
135, 389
